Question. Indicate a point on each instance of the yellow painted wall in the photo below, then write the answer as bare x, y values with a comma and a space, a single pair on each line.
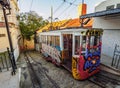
3, 40
29, 44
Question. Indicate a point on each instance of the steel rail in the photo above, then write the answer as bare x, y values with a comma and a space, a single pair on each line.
41, 70
102, 80
34, 78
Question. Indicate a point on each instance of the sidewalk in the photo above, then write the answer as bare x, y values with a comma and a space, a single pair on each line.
106, 60
9, 81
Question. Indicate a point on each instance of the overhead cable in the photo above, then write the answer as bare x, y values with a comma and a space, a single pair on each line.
31, 5
58, 7
66, 8
20, 3
71, 3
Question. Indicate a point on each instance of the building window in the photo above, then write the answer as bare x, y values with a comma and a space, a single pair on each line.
110, 7
118, 6
2, 35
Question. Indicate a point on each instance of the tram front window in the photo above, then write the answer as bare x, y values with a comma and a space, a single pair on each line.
94, 42
83, 43
77, 45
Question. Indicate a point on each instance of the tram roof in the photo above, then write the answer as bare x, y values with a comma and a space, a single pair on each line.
67, 24
65, 30
80, 31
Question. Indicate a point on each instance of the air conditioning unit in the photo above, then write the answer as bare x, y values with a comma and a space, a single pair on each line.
118, 6
110, 7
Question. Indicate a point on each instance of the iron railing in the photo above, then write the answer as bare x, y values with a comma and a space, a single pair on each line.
116, 57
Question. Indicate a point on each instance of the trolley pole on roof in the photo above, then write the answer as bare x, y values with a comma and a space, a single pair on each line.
6, 6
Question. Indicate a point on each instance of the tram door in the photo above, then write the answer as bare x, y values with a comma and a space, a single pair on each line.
67, 49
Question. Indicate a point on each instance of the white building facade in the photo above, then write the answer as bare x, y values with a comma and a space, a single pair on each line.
110, 24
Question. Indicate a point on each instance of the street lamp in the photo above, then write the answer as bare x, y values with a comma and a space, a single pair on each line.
6, 6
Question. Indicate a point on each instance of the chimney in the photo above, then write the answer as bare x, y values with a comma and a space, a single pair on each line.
82, 9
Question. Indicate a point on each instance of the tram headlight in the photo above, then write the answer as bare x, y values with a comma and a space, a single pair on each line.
93, 61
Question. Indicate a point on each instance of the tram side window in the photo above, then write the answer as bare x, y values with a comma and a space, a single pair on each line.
57, 42
40, 39
49, 40
52, 41
77, 45
83, 43
44, 39
37, 39
65, 42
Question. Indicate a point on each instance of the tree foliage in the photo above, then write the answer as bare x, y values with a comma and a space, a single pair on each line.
29, 23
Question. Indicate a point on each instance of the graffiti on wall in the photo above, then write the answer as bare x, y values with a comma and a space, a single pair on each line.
51, 51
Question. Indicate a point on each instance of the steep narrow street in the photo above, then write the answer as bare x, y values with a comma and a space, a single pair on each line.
59, 75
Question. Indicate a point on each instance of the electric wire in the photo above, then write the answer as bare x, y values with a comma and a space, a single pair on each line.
68, 16
64, 1
31, 5
71, 3
58, 7
66, 8
20, 3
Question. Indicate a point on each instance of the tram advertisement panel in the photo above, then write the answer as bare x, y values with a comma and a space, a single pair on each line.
51, 51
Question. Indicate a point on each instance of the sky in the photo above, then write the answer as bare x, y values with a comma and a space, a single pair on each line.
61, 10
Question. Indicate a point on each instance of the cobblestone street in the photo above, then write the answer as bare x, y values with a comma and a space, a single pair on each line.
60, 75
